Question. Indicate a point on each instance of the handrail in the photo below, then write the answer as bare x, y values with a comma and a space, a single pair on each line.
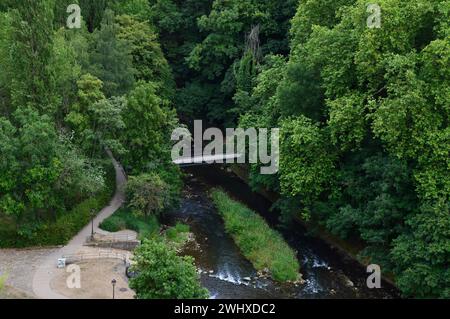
116, 238
100, 255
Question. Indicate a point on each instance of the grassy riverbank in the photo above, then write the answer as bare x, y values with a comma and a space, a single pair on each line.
147, 228
125, 219
263, 246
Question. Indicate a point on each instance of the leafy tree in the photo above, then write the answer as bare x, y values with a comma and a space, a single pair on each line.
139, 9
176, 23
148, 59
93, 12
210, 37
97, 121
89, 93
31, 45
69, 57
147, 194
149, 122
263, 111
421, 254
308, 161
365, 131
109, 50
6, 4
6, 63
164, 275
9, 169
226, 25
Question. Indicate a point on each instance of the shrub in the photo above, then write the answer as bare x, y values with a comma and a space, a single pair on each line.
178, 235
162, 274
146, 193
2, 281
263, 246
67, 224
124, 218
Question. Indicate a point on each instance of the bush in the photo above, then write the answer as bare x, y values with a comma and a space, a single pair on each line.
146, 193
173, 232
178, 235
263, 246
2, 281
162, 274
113, 224
66, 225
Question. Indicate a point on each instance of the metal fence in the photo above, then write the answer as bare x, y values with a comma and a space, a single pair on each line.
70, 259
113, 238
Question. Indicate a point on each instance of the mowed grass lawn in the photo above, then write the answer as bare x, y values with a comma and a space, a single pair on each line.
260, 244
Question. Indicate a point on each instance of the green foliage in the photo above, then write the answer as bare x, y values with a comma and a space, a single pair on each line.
149, 122
178, 233
176, 23
364, 120
139, 9
226, 25
372, 199
245, 73
93, 11
264, 247
2, 281
126, 219
148, 59
32, 83
421, 255
306, 167
5, 62
61, 230
96, 121
53, 137
69, 54
364, 131
364, 114
147, 194
153, 193
162, 274
204, 40
107, 50
41, 184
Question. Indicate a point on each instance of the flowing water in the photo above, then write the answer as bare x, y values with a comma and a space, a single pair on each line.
225, 271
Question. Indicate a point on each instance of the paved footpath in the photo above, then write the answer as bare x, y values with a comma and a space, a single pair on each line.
46, 271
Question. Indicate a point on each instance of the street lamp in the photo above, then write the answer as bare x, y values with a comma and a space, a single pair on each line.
92, 223
113, 282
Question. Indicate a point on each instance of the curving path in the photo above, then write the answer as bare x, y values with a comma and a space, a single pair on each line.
46, 271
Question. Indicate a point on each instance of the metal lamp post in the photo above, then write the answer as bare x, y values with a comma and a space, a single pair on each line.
113, 282
92, 223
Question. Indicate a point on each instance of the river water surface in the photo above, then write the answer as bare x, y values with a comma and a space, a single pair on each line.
225, 271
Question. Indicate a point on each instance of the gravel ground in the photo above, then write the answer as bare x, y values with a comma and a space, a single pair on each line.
19, 266
96, 277
9, 292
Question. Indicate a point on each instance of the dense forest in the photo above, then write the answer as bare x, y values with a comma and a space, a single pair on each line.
62, 105
364, 114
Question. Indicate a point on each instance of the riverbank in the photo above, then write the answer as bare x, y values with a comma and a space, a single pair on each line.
346, 248
227, 273
263, 246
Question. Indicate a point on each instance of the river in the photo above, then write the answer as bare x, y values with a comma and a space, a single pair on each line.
225, 271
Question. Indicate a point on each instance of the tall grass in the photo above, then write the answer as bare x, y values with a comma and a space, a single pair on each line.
2, 281
263, 246
125, 219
